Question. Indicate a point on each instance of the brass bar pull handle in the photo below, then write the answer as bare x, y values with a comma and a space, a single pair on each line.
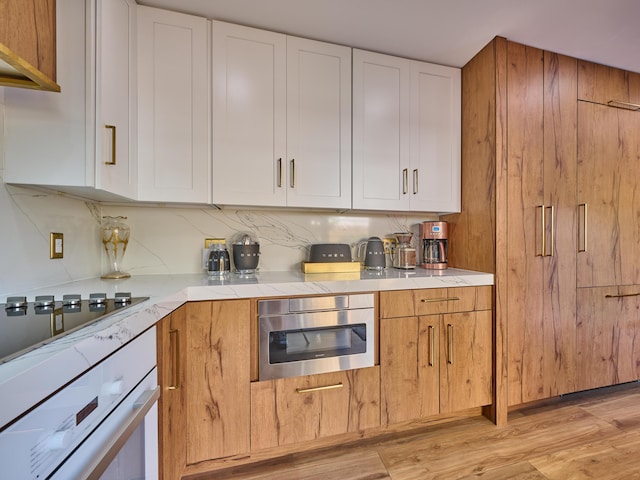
582, 232
293, 173
279, 172
553, 231
621, 295
623, 104
174, 336
542, 233
432, 343
113, 144
415, 181
405, 180
450, 352
441, 299
319, 389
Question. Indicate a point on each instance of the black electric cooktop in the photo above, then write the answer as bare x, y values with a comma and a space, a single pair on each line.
25, 326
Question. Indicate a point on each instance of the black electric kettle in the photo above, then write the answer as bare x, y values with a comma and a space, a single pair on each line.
374, 257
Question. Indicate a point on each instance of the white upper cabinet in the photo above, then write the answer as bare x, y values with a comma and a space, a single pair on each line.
174, 127
79, 140
406, 134
381, 142
281, 120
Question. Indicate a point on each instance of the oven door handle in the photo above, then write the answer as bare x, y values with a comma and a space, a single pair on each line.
141, 407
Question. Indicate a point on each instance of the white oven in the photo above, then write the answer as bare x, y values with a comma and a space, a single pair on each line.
104, 424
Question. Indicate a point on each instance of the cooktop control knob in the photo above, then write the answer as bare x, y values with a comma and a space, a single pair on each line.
71, 299
97, 298
44, 301
123, 297
16, 302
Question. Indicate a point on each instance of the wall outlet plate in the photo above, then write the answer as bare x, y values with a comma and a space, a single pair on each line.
390, 245
56, 245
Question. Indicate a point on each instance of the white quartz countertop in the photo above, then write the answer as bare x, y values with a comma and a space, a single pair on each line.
27, 379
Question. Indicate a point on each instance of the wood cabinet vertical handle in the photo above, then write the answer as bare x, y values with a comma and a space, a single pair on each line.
432, 344
293, 173
279, 172
450, 352
405, 180
415, 181
174, 337
582, 232
542, 234
113, 144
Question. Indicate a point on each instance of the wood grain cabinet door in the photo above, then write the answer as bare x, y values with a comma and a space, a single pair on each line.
299, 409
204, 371
607, 330
409, 368
603, 84
608, 175
466, 379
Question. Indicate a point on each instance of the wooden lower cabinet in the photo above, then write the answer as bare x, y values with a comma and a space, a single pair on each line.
436, 363
300, 409
608, 327
203, 363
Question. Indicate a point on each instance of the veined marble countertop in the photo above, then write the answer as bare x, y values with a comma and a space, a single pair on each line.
27, 379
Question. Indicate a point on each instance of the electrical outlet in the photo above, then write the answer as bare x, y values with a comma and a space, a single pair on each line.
390, 245
56, 245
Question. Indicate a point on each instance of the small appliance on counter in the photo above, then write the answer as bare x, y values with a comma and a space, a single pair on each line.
218, 261
434, 245
246, 254
330, 258
374, 257
404, 256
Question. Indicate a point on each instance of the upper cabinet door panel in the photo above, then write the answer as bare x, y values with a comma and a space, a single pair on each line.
381, 142
607, 85
318, 124
173, 107
435, 137
115, 87
249, 116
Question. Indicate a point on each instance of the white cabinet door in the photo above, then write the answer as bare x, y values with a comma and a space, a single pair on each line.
406, 134
115, 96
381, 142
435, 138
249, 116
318, 124
173, 107
56, 139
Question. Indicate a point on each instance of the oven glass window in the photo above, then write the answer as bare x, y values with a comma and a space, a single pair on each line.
307, 344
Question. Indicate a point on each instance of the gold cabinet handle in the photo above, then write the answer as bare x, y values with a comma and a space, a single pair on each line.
450, 352
279, 172
293, 173
415, 181
432, 344
621, 295
553, 231
174, 336
625, 105
318, 389
405, 180
583, 230
541, 235
441, 299
113, 144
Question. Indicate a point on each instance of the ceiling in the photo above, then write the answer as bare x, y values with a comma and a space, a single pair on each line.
448, 32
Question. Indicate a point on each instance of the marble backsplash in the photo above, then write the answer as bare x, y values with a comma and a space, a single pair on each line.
164, 240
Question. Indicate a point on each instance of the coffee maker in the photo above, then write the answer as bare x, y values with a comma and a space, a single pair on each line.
434, 245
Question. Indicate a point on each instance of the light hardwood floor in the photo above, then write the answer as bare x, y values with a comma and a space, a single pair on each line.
589, 435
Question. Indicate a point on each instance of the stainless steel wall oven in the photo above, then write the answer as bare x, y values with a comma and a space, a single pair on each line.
309, 335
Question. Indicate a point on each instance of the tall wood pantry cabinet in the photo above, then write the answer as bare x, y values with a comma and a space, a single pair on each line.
518, 215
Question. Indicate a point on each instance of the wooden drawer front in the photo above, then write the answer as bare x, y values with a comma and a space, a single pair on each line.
602, 84
428, 301
299, 409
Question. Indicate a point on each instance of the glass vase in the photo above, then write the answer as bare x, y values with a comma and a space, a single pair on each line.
115, 237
